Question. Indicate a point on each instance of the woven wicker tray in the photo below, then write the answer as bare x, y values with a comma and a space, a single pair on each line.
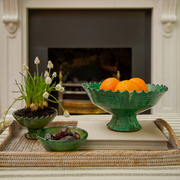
16, 150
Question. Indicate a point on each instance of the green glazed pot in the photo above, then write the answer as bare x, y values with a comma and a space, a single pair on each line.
57, 145
33, 125
124, 106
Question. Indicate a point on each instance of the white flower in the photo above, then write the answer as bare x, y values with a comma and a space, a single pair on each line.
8, 122
54, 74
37, 61
66, 113
46, 95
58, 86
61, 89
48, 80
50, 65
25, 67
46, 74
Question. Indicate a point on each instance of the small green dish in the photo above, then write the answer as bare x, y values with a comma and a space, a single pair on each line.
57, 145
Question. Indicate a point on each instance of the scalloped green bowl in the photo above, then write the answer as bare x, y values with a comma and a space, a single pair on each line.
124, 106
34, 124
57, 145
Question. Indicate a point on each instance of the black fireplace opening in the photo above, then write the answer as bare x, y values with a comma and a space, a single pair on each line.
79, 65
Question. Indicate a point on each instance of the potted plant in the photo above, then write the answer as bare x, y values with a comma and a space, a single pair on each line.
36, 92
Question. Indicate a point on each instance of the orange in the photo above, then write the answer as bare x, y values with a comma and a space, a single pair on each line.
141, 83
127, 85
109, 84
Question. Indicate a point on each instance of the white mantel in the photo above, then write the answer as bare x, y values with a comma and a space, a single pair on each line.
165, 58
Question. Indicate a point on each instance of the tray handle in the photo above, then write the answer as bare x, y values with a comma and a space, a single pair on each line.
173, 141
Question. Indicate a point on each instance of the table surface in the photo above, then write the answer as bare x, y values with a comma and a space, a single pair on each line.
88, 173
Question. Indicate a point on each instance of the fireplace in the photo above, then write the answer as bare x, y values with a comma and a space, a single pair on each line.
92, 29
91, 45
164, 54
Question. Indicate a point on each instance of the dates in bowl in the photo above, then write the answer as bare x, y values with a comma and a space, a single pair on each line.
62, 138
64, 134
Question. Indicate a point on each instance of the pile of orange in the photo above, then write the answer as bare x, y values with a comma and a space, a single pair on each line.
132, 84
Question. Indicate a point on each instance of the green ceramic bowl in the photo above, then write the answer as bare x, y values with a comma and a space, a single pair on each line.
34, 124
124, 106
55, 145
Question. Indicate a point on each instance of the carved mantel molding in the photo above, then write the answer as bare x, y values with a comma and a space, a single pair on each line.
168, 17
10, 15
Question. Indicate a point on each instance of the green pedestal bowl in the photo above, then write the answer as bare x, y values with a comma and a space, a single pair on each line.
34, 124
124, 106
